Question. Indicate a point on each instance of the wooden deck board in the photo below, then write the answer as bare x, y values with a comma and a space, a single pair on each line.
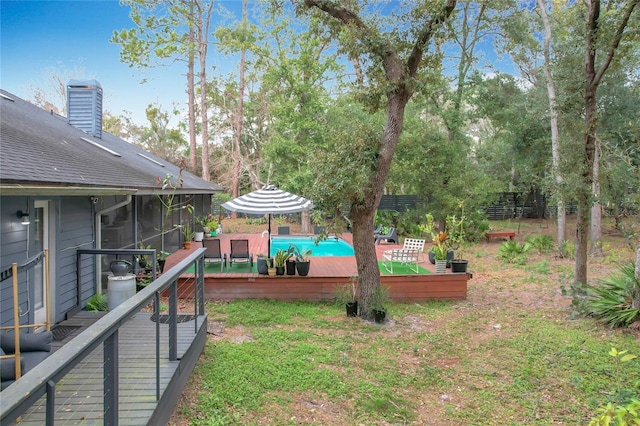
79, 395
325, 274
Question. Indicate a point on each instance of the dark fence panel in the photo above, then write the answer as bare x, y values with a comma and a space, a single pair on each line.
399, 203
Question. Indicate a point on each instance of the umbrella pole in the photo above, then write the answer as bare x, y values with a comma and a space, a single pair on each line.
269, 238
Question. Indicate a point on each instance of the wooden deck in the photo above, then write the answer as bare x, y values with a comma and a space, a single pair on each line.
324, 275
79, 395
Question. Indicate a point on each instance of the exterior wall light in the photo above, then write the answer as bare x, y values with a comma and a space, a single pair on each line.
24, 217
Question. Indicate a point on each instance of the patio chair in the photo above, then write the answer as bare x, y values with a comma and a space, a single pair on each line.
283, 230
377, 231
414, 244
317, 230
392, 235
240, 252
213, 252
407, 257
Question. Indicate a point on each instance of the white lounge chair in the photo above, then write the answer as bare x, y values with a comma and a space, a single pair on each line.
405, 257
412, 252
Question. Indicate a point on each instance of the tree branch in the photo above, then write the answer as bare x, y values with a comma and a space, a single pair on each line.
425, 36
615, 43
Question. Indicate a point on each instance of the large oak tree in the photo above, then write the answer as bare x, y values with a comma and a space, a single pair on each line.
391, 58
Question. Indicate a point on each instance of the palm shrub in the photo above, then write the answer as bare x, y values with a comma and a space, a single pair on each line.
514, 252
567, 250
98, 303
610, 299
542, 243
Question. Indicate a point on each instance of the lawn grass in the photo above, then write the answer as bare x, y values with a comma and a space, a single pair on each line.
512, 353
529, 370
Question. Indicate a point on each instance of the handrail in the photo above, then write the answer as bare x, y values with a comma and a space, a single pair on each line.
42, 379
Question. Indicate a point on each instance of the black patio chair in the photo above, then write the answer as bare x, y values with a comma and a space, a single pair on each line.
283, 230
392, 235
213, 253
240, 252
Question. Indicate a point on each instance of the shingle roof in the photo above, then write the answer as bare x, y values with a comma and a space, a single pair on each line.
39, 148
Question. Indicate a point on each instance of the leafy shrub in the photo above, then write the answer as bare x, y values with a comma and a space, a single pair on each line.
542, 243
627, 412
98, 302
514, 252
609, 300
567, 250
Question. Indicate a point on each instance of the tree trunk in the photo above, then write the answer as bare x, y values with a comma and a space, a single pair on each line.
584, 192
596, 209
362, 215
366, 260
203, 43
305, 222
635, 303
553, 116
191, 90
592, 81
235, 184
204, 125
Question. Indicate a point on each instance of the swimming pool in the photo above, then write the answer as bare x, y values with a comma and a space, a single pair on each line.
332, 246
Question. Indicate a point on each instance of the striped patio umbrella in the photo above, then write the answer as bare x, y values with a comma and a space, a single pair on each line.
268, 200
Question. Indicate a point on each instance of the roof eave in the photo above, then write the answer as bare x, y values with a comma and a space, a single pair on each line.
35, 190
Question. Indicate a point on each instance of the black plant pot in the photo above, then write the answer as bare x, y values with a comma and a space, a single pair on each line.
459, 265
262, 266
352, 309
291, 267
142, 263
303, 268
379, 316
279, 270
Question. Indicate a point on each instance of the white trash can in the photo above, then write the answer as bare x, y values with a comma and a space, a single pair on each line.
120, 289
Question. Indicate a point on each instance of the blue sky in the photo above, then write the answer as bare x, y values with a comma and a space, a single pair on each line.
71, 39
64, 37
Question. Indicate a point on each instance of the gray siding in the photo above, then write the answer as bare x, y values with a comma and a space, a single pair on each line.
75, 231
72, 228
13, 249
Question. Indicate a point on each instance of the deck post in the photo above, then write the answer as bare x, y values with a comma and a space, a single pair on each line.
173, 324
111, 379
51, 403
156, 312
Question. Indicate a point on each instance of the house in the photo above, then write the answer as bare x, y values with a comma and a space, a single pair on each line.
66, 185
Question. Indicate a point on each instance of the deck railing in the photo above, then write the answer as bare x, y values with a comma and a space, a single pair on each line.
42, 379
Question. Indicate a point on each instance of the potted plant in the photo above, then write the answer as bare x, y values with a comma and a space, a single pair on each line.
187, 232
440, 251
303, 261
142, 281
280, 259
212, 225
262, 264
379, 303
456, 236
291, 264
142, 259
162, 259
271, 268
346, 295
